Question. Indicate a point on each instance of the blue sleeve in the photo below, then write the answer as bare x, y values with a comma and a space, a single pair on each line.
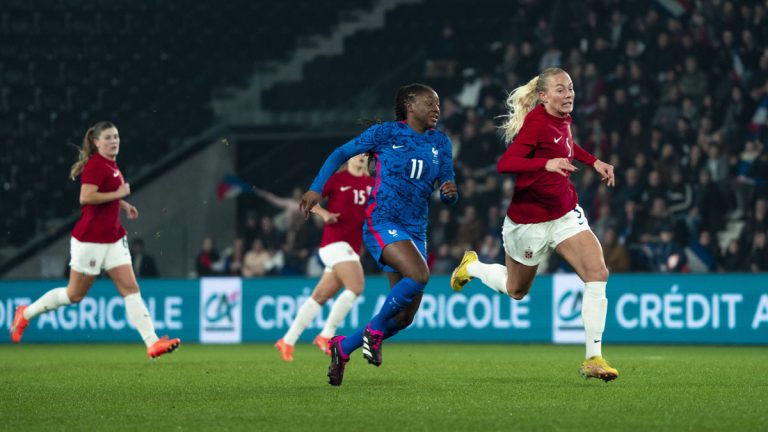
446, 169
363, 143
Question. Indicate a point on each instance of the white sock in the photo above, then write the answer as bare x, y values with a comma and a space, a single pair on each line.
594, 307
49, 301
137, 313
304, 317
340, 309
492, 275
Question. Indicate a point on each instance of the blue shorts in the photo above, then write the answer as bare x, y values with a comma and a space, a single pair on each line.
376, 238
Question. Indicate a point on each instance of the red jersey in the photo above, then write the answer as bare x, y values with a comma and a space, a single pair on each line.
348, 196
100, 223
540, 195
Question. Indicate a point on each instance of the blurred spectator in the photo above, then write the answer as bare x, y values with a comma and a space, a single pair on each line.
144, 265
259, 261
290, 206
704, 253
668, 255
441, 58
615, 254
233, 258
207, 258
758, 257
734, 259
442, 262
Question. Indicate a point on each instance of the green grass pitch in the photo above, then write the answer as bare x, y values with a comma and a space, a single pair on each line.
420, 387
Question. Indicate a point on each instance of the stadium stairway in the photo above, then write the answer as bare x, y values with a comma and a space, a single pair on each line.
238, 106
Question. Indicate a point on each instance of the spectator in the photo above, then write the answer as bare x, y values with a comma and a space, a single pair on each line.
233, 259
207, 259
615, 254
144, 265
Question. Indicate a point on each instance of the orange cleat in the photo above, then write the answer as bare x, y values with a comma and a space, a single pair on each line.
322, 343
19, 324
286, 350
163, 346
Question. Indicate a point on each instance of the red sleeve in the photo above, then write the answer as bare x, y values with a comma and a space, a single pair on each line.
329, 185
516, 159
91, 174
582, 155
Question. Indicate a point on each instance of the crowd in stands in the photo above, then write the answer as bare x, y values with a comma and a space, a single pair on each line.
677, 103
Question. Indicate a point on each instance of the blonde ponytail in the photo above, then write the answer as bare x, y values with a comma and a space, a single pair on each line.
522, 100
88, 148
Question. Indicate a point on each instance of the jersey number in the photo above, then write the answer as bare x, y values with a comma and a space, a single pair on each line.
359, 197
416, 172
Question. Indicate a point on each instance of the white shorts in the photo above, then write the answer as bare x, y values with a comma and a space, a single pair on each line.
335, 253
92, 258
530, 244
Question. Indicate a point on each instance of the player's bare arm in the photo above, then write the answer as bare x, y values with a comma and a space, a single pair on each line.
308, 200
606, 172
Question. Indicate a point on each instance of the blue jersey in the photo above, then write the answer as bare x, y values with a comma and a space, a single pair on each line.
409, 166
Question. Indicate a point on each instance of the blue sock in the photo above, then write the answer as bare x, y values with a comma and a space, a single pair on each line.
391, 328
352, 342
400, 297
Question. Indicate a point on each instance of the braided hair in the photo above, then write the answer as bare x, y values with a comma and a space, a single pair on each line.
405, 95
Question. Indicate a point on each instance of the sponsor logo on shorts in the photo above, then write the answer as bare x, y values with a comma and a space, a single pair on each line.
92, 263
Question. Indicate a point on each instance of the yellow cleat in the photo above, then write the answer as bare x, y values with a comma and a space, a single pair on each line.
598, 367
460, 275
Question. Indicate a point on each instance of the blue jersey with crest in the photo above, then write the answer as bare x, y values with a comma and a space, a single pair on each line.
409, 166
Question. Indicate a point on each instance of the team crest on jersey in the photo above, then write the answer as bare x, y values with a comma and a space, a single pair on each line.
92, 263
435, 160
393, 232
528, 253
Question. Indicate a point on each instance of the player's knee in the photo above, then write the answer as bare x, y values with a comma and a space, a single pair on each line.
421, 276
404, 322
76, 298
599, 273
518, 295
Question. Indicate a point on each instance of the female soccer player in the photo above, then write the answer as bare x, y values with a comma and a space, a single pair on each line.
99, 241
544, 213
411, 158
347, 193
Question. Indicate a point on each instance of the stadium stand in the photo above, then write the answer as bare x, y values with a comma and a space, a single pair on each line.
675, 98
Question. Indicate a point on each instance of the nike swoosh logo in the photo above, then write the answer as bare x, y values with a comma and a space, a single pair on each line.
345, 188
557, 140
596, 340
397, 147
115, 174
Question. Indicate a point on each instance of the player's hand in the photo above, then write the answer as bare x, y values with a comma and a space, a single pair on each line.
561, 166
448, 189
131, 211
308, 200
124, 190
331, 218
606, 172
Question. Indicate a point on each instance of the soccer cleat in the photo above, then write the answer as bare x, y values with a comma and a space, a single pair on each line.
338, 361
460, 275
163, 346
372, 340
598, 367
19, 324
286, 350
322, 343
